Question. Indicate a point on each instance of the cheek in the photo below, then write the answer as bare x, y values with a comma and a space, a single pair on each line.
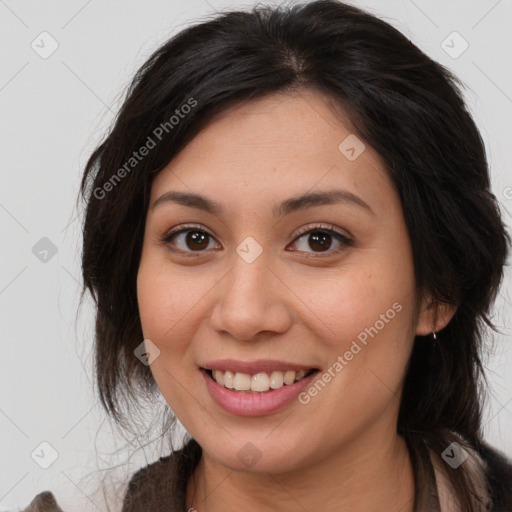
366, 349
169, 302
166, 307
349, 302
364, 319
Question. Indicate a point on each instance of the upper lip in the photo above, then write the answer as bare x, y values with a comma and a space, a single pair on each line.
254, 367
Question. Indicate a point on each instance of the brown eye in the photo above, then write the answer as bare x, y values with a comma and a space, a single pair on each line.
320, 240
188, 240
196, 240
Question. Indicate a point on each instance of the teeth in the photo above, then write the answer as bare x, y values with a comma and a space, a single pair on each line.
289, 377
219, 377
276, 380
300, 374
228, 379
260, 382
242, 382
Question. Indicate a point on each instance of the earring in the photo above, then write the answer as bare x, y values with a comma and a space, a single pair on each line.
434, 335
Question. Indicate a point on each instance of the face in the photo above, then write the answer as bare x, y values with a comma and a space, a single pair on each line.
263, 284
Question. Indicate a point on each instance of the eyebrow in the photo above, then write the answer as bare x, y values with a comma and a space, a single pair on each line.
293, 204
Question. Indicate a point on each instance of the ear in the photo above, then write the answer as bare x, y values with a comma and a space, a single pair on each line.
433, 316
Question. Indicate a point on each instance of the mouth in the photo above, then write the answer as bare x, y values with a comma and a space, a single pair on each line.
256, 389
257, 383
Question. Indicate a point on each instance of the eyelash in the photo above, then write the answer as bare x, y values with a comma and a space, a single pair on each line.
319, 228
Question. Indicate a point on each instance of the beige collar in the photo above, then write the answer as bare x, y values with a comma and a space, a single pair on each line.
476, 467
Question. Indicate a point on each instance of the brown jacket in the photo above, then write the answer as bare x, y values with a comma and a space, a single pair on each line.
161, 486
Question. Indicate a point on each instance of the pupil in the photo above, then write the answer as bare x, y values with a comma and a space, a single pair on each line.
197, 237
320, 239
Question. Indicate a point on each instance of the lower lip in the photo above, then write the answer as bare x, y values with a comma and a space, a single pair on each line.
255, 404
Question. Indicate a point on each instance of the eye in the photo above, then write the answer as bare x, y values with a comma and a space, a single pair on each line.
194, 239
321, 237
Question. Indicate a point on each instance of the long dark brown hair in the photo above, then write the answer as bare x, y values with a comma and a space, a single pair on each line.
409, 108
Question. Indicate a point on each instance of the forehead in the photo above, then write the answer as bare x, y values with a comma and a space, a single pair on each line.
276, 146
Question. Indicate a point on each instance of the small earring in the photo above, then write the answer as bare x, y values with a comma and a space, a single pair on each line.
434, 335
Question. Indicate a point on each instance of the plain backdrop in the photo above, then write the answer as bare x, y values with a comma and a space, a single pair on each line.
53, 111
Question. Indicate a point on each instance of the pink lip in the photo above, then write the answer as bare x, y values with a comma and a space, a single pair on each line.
254, 367
255, 404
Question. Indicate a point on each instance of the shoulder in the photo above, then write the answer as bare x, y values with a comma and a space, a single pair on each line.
151, 484
161, 485
490, 476
151, 470
43, 502
499, 477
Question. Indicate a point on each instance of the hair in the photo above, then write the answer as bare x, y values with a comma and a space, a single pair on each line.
409, 108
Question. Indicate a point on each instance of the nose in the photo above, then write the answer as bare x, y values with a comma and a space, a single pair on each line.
252, 299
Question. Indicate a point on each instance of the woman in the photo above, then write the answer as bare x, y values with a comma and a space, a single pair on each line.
293, 211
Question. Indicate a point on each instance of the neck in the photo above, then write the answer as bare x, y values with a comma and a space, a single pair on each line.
355, 479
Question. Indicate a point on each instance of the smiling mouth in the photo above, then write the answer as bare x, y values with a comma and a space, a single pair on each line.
262, 382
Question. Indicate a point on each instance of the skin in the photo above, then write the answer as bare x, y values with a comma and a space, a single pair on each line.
295, 302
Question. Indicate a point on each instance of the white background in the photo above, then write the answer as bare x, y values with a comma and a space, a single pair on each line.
52, 113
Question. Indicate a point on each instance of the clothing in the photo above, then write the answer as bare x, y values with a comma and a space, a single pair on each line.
161, 486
